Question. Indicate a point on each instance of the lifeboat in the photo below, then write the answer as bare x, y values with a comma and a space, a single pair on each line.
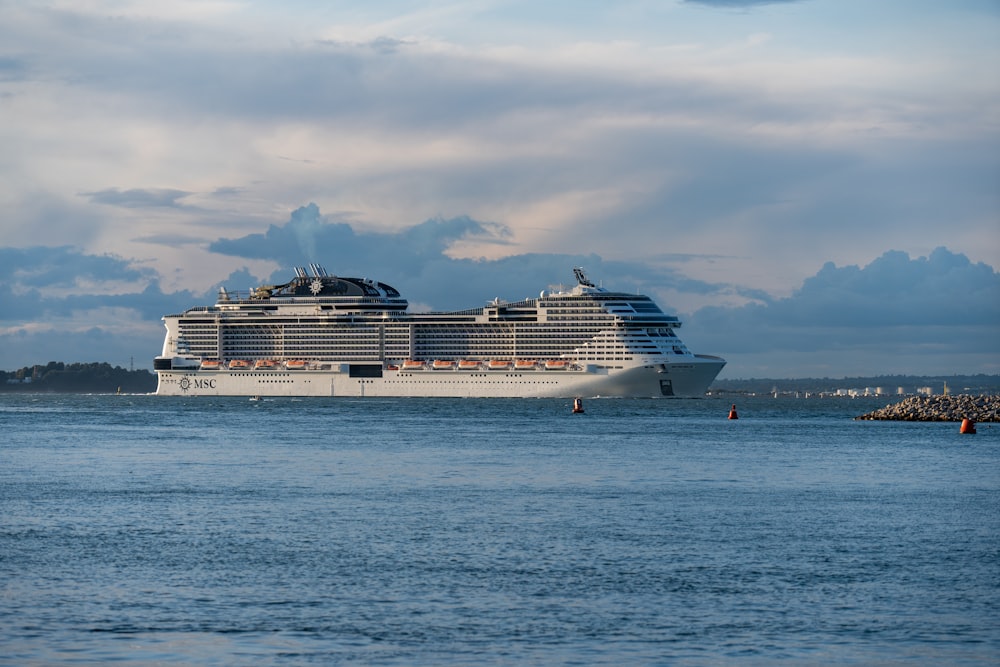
468, 365
296, 364
265, 365
211, 365
556, 365
498, 364
411, 365
524, 364
238, 364
442, 365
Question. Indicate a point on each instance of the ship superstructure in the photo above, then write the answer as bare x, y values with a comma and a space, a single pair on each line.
327, 335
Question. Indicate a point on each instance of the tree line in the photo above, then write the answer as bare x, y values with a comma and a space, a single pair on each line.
97, 377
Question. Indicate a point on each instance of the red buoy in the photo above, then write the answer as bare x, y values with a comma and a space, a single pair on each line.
968, 426
732, 413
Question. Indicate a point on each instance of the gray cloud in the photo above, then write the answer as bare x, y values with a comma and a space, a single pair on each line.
58, 304
308, 237
46, 282
894, 314
171, 240
63, 266
138, 198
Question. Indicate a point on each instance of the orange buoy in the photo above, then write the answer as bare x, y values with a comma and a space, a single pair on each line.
732, 413
968, 426
577, 406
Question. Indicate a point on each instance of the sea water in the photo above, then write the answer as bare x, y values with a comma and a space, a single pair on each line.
141, 530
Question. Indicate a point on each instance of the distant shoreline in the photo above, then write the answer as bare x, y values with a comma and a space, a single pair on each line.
878, 386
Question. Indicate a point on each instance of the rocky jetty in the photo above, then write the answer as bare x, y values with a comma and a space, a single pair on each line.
940, 409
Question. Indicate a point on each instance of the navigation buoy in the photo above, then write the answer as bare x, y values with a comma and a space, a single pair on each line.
968, 426
577, 406
732, 413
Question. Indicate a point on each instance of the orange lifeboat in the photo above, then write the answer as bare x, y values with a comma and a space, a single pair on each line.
265, 365
498, 364
525, 364
556, 365
238, 364
442, 365
211, 365
412, 365
296, 364
468, 365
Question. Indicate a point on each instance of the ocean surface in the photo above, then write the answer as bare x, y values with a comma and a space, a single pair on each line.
144, 530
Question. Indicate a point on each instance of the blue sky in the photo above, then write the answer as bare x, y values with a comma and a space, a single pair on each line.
812, 185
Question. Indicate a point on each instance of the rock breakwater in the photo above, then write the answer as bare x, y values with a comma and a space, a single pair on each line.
940, 409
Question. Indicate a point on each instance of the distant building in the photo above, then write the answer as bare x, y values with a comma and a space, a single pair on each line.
925, 391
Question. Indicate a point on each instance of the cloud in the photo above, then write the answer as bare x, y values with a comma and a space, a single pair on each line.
632, 146
63, 267
61, 304
138, 198
309, 237
940, 313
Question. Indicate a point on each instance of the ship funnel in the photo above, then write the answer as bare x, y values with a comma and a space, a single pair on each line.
300, 272
581, 277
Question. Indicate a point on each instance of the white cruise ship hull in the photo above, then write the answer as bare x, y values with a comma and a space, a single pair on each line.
689, 379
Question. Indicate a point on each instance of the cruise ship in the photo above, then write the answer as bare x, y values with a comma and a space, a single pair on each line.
327, 335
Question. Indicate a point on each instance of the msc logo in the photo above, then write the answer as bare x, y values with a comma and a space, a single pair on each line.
186, 383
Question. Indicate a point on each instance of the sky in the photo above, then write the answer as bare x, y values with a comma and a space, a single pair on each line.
813, 186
